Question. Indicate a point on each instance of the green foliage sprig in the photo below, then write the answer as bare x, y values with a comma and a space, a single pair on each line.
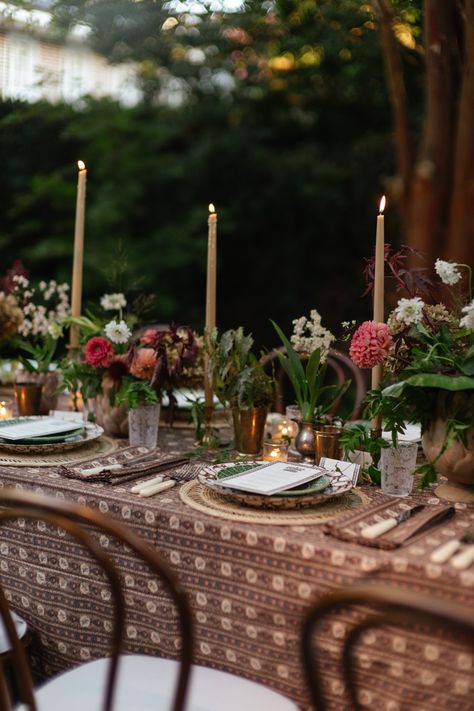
360, 437
238, 378
136, 393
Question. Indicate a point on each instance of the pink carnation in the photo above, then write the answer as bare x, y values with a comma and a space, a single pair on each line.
149, 336
143, 364
99, 352
370, 344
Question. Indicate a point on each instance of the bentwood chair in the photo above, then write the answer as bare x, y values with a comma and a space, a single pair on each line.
340, 368
122, 682
390, 606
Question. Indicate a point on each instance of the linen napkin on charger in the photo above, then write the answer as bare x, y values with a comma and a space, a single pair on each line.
349, 526
126, 463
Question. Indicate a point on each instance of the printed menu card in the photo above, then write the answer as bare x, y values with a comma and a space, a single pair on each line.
271, 478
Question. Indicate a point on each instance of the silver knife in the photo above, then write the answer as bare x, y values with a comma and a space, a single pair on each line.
377, 529
444, 552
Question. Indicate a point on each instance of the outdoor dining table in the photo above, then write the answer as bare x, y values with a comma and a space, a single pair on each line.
249, 586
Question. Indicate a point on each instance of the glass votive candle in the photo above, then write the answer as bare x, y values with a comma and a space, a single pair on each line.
6, 409
286, 429
275, 451
271, 425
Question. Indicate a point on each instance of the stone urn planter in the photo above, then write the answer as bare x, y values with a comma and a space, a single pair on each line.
457, 462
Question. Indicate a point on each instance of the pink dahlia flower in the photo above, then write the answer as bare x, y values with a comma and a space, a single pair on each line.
143, 364
99, 352
149, 336
370, 344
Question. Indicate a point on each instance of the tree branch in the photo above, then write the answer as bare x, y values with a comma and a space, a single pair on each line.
398, 99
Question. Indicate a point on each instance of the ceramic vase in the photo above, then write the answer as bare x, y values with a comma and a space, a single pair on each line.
457, 462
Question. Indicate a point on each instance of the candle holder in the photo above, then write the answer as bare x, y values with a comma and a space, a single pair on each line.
275, 451
286, 430
209, 439
6, 409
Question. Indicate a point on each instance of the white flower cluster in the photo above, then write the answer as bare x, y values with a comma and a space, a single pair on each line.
448, 272
113, 302
117, 332
467, 321
42, 318
410, 311
309, 334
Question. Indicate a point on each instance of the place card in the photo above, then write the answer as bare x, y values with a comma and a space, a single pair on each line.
271, 478
35, 428
349, 469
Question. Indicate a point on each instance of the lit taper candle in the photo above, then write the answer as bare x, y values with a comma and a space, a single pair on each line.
210, 292
379, 293
78, 259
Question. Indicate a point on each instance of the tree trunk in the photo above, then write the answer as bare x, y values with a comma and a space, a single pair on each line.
435, 196
459, 245
430, 190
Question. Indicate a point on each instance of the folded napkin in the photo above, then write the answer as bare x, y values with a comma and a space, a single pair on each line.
349, 526
124, 465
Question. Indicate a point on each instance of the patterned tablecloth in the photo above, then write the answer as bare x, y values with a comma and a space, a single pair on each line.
249, 585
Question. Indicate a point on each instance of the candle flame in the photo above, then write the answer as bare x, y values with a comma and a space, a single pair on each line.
383, 202
212, 209
81, 165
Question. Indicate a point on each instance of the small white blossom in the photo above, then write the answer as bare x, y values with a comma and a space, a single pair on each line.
117, 332
467, 321
42, 285
55, 330
308, 335
448, 272
410, 311
20, 280
113, 302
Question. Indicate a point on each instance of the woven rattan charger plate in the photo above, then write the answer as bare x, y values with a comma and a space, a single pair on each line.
204, 499
98, 448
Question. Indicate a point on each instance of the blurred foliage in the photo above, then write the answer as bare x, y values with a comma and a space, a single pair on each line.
285, 126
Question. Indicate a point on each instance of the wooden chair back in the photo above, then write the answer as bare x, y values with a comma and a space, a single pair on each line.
342, 368
390, 606
73, 518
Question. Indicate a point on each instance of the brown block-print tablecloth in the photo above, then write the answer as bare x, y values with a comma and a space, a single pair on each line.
249, 585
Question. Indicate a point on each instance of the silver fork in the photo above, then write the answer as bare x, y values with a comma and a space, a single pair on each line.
170, 479
186, 472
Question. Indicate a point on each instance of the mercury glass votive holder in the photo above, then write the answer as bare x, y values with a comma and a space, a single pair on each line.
286, 429
6, 409
275, 451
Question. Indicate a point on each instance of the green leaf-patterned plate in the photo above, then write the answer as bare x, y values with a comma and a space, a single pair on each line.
312, 493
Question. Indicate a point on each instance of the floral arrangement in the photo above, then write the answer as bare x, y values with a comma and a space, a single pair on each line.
129, 369
164, 359
11, 316
32, 318
425, 348
309, 342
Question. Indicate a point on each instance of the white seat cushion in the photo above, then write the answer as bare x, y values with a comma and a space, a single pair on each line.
20, 625
147, 684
